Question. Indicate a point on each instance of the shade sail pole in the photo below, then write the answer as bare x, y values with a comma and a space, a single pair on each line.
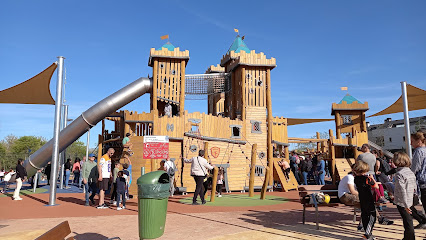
55, 152
406, 119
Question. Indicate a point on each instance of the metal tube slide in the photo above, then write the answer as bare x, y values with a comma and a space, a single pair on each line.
87, 120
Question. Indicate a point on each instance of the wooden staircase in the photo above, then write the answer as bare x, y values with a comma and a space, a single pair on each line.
343, 166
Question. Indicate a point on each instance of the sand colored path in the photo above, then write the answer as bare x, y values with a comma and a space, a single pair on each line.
29, 218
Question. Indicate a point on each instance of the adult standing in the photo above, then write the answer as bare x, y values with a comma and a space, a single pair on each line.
67, 168
76, 168
170, 168
21, 175
320, 171
295, 166
418, 167
104, 169
199, 166
90, 174
47, 171
81, 167
306, 168
368, 158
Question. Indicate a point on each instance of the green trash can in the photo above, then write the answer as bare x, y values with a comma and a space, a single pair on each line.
153, 195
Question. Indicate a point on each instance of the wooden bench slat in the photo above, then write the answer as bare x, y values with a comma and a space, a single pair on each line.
59, 232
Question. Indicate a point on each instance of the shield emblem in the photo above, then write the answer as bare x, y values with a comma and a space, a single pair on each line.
215, 151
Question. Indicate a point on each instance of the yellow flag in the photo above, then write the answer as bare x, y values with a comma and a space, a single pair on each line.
344, 88
235, 30
164, 37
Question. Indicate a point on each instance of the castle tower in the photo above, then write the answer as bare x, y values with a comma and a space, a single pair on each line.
349, 114
168, 76
250, 95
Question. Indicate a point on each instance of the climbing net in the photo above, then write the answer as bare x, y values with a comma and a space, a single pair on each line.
199, 86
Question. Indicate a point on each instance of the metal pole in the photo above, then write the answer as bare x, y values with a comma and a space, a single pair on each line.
87, 145
64, 152
55, 152
61, 154
35, 181
406, 119
142, 171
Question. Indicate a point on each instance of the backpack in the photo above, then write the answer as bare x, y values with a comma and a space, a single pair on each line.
421, 175
172, 170
385, 165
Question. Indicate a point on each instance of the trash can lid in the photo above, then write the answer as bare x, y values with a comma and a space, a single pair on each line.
155, 177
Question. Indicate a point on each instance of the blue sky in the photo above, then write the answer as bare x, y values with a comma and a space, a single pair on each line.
320, 46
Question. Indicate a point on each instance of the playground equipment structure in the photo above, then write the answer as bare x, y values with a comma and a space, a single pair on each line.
238, 132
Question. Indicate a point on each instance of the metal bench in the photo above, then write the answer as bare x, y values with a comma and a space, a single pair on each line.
306, 192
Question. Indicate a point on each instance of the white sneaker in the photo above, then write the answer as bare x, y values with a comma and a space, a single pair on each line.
119, 208
219, 196
115, 203
124, 207
17, 199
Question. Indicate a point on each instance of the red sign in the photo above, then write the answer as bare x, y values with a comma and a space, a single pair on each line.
215, 151
156, 147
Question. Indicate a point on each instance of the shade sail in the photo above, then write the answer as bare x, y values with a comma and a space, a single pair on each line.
416, 100
33, 91
297, 121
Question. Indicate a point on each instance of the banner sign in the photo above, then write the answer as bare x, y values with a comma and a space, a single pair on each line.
155, 147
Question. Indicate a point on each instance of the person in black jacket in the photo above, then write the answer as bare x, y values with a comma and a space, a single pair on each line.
21, 175
364, 184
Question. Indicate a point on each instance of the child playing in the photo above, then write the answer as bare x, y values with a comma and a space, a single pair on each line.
405, 186
364, 184
114, 183
220, 181
127, 175
121, 190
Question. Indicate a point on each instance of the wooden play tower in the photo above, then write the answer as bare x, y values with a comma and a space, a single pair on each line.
239, 116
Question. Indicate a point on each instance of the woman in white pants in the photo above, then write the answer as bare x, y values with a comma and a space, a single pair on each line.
21, 175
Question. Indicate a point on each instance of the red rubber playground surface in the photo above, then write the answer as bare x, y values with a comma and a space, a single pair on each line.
30, 218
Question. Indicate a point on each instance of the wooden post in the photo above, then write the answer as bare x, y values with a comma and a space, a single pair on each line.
318, 143
333, 157
269, 170
153, 165
206, 150
99, 148
338, 124
287, 154
363, 123
154, 85
355, 142
182, 89
252, 168
103, 127
214, 182
243, 95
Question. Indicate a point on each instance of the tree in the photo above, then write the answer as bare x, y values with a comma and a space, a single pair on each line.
2, 155
311, 145
76, 149
27, 145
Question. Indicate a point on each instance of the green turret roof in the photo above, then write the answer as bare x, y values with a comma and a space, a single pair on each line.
169, 46
239, 45
349, 99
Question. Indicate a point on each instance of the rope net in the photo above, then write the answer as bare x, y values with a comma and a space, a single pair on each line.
207, 84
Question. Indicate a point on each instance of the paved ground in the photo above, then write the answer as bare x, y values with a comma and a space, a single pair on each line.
29, 218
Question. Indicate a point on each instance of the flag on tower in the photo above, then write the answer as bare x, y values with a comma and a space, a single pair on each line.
344, 88
235, 30
164, 37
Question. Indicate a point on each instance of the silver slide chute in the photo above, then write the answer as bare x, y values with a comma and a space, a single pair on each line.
87, 120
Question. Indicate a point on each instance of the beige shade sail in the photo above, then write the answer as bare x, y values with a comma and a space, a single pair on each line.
297, 121
33, 91
416, 100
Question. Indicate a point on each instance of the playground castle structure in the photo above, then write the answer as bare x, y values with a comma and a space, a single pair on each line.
237, 133
239, 115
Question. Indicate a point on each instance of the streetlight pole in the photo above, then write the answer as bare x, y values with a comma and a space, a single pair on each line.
55, 152
406, 119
